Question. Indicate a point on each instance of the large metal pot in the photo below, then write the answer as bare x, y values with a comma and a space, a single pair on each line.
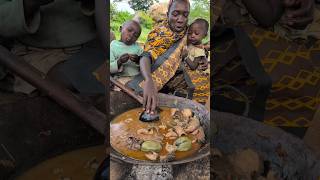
124, 103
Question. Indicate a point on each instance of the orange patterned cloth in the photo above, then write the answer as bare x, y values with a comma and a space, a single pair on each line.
199, 78
293, 68
160, 39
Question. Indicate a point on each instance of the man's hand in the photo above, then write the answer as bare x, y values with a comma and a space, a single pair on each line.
150, 96
300, 13
134, 58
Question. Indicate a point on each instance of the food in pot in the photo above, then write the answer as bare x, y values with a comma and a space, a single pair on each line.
183, 143
149, 146
177, 135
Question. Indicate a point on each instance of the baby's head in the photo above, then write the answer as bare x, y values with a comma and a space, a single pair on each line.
197, 31
130, 32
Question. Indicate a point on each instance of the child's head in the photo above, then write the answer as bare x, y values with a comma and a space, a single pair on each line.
197, 31
130, 32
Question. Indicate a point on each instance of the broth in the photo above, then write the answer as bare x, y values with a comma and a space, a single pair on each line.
128, 123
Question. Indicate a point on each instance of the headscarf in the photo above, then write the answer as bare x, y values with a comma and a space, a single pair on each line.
171, 2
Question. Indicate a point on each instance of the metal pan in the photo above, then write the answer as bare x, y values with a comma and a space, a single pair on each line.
166, 101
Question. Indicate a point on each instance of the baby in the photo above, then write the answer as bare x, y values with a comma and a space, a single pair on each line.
195, 61
195, 54
125, 53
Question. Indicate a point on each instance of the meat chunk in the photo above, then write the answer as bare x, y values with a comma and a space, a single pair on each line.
170, 148
179, 130
152, 156
187, 112
199, 135
145, 131
134, 143
171, 133
194, 123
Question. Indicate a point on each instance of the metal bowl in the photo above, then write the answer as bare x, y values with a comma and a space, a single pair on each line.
123, 104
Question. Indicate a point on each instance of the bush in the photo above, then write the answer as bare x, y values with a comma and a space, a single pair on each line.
146, 20
118, 18
140, 5
200, 9
113, 8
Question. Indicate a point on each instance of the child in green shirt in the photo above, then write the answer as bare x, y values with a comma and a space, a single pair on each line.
125, 53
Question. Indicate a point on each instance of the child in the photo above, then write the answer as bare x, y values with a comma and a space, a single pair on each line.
124, 53
195, 60
195, 54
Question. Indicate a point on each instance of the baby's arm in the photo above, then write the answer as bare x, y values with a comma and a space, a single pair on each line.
206, 46
265, 12
192, 64
203, 63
